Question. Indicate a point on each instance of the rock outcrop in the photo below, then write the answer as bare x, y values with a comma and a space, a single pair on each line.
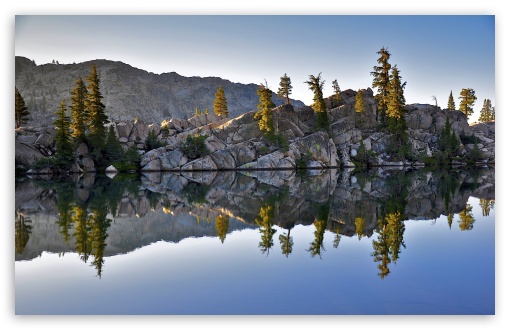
33, 143
238, 143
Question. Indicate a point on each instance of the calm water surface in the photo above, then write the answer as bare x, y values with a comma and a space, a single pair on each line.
378, 242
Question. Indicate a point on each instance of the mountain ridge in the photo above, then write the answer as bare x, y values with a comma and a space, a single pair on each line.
130, 92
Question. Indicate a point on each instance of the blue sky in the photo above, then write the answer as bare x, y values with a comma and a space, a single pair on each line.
435, 53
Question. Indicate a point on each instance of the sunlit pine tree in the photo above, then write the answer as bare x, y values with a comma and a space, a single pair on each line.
381, 81
486, 112
360, 106
79, 111
264, 114
316, 85
285, 88
220, 103
467, 99
96, 111
395, 99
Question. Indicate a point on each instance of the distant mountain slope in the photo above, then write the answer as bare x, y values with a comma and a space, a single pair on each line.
130, 92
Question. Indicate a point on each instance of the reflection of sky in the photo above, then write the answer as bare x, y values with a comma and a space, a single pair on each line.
441, 271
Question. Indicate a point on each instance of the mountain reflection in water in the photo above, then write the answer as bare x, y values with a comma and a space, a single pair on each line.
96, 216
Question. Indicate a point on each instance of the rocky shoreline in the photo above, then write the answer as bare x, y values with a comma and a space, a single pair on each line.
238, 144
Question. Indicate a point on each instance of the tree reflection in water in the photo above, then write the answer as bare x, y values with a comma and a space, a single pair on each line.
374, 203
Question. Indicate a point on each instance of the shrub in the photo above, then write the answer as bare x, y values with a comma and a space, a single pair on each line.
469, 139
43, 163
152, 141
130, 160
279, 140
165, 131
194, 146
364, 157
474, 155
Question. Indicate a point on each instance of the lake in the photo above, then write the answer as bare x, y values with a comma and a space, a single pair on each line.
322, 242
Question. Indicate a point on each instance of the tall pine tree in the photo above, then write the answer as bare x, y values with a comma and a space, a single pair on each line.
396, 101
316, 84
486, 112
220, 103
63, 144
285, 88
264, 113
97, 118
381, 81
467, 99
20, 110
78, 111
451, 102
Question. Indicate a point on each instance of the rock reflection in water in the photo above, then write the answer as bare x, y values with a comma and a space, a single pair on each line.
97, 216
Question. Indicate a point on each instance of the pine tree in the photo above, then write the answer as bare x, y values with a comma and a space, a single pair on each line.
97, 118
486, 112
285, 88
493, 113
264, 113
451, 102
63, 144
152, 141
381, 81
336, 89
78, 111
467, 99
395, 101
220, 103
113, 148
448, 142
20, 110
316, 84
360, 102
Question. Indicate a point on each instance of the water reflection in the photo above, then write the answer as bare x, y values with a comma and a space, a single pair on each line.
96, 216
